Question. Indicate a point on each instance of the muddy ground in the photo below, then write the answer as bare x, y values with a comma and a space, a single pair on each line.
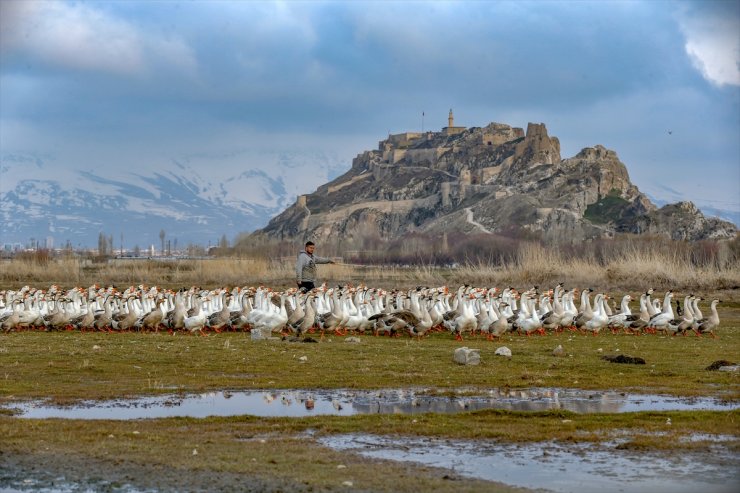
64, 472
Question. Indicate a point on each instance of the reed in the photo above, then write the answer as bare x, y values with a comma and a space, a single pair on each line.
534, 264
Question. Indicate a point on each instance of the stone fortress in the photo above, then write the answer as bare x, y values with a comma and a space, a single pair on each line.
424, 149
492, 179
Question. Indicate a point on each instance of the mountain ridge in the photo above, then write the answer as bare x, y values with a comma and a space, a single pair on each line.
194, 201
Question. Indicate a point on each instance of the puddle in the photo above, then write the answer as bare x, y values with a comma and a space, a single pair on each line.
40, 482
575, 467
298, 403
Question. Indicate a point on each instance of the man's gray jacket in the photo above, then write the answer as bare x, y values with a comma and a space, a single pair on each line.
305, 267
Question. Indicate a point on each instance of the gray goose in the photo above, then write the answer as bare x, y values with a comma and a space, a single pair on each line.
153, 319
708, 324
221, 318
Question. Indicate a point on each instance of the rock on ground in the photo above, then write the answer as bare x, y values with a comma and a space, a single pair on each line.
466, 356
503, 351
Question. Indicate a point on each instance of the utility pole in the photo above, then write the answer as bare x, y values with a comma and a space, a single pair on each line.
422, 122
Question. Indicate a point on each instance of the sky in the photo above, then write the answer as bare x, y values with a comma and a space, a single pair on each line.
130, 84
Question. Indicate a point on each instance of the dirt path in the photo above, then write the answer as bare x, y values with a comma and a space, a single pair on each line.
470, 220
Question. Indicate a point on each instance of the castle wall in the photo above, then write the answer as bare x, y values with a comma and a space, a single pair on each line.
486, 174
454, 130
496, 134
334, 188
417, 156
380, 171
396, 155
362, 158
398, 140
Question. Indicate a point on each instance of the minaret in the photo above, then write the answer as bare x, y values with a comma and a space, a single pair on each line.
450, 119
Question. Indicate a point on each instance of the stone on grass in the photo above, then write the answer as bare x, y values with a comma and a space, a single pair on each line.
558, 351
465, 356
503, 351
260, 334
353, 340
732, 368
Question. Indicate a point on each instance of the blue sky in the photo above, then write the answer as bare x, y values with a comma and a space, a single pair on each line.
136, 84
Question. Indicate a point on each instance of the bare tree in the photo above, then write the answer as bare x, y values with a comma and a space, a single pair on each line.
161, 238
102, 244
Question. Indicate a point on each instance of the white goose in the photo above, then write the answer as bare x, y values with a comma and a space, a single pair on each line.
619, 320
685, 322
465, 322
600, 317
660, 320
196, 322
528, 320
274, 320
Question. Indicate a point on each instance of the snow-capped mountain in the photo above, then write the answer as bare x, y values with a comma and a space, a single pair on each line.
194, 200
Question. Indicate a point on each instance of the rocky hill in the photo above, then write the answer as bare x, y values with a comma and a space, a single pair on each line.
495, 179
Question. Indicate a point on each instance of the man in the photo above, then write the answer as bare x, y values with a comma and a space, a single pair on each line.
305, 267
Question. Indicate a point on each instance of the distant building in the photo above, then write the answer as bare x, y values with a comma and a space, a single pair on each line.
451, 129
12, 247
405, 145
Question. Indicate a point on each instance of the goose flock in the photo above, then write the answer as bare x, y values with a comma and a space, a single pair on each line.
463, 312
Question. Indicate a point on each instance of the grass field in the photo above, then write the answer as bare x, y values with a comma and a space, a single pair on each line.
258, 454
282, 454
75, 365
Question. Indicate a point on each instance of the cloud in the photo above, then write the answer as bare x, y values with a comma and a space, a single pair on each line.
73, 36
712, 31
81, 37
78, 79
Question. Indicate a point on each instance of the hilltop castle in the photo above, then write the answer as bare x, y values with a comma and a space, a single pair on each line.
483, 180
427, 147
430, 149
397, 146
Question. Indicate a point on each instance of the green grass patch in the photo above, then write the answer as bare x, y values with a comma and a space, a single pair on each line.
279, 449
610, 208
72, 366
69, 366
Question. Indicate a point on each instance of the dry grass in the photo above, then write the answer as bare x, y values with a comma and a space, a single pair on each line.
626, 270
534, 264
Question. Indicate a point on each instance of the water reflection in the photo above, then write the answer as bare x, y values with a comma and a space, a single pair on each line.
297, 403
575, 467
